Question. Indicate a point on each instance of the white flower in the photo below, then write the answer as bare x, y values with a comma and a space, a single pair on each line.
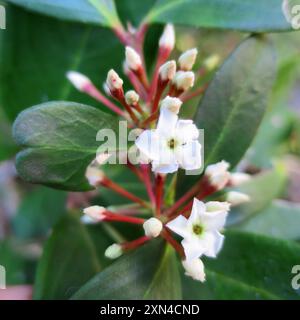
172, 144
95, 213
133, 59
78, 80
218, 174
184, 80
201, 231
167, 70
212, 62
114, 251
238, 178
153, 227
237, 198
94, 175
195, 269
167, 39
131, 97
113, 81
187, 59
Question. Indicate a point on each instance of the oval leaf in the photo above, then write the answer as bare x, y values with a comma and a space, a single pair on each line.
60, 142
150, 272
244, 15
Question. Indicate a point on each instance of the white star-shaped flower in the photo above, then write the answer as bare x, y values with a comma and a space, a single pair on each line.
173, 143
201, 231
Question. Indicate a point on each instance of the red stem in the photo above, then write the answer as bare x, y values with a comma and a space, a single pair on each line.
159, 189
148, 183
111, 216
168, 237
135, 243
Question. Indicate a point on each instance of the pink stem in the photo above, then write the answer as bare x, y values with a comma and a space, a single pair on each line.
148, 182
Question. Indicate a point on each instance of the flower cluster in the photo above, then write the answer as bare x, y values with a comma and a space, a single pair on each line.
166, 144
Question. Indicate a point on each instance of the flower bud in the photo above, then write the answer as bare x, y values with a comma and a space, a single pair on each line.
95, 213
94, 175
78, 80
131, 97
133, 60
172, 104
153, 227
114, 251
217, 206
187, 59
103, 157
85, 219
194, 269
212, 62
167, 39
218, 174
237, 198
113, 81
238, 178
167, 70
184, 80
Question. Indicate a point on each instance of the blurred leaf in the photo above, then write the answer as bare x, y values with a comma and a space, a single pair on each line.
281, 220
8, 147
150, 272
101, 12
249, 267
60, 142
19, 268
244, 15
262, 189
70, 258
38, 212
234, 104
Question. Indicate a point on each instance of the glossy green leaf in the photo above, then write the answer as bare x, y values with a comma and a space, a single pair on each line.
150, 272
262, 190
59, 141
235, 101
38, 212
249, 267
244, 15
70, 258
281, 220
102, 12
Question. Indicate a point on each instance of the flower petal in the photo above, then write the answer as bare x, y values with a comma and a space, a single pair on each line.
187, 130
213, 242
214, 221
179, 226
166, 123
189, 155
159, 167
197, 210
193, 248
148, 143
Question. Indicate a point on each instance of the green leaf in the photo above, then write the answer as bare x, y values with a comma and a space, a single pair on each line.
37, 51
262, 189
60, 142
235, 101
38, 212
234, 104
244, 15
150, 272
249, 267
281, 220
101, 12
19, 268
70, 258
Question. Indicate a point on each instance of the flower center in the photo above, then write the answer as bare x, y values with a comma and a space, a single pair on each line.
198, 229
172, 143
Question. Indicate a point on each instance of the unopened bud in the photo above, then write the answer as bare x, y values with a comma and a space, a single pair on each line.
78, 80
103, 157
238, 178
237, 198
194, 269
131, 97
153, 227
94, 175
212, 62
218, 174
133, 60
172, 104
217, 206
114, 251
167, 70
184, 80
167, 39
95, 212
113, 81
187, 59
